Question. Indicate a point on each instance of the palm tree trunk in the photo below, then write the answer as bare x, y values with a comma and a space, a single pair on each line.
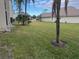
58, 21
19, 7
25, 7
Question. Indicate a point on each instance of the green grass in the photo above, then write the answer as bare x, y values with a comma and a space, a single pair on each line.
34, 41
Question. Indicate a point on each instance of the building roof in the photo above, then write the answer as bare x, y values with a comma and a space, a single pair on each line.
71, 12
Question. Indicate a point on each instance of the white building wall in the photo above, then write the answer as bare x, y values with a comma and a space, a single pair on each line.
3, 25
2, 16
63, 19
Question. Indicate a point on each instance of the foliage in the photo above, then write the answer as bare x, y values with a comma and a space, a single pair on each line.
19, 4
19, 18
23, 19
26, 1
34, 16
39, 18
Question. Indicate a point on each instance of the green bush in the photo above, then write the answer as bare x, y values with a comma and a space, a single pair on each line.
23, 19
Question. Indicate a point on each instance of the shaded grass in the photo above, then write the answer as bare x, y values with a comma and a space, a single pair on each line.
34, 41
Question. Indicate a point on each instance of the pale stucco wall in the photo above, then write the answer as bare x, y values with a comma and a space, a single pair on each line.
3, 25
63, 19
2, 16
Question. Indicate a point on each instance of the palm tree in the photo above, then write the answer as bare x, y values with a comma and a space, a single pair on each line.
26, 1
25, 7
19, 4
56, 10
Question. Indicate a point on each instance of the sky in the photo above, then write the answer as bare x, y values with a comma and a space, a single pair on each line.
44, 6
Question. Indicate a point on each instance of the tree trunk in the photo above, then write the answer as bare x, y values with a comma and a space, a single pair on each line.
25, 7
58, 21
23, 23
19, 7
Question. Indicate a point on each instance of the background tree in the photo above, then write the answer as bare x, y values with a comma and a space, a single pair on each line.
22, 18
26, 1
39, 18
19, 5
19, 18
25, 18
34, 16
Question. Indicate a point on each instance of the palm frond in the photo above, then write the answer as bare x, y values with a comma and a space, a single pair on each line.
54, 8
33, 1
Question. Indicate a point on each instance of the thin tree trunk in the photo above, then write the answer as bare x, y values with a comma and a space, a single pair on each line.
25, 7
23, 23
19, 12
58, 21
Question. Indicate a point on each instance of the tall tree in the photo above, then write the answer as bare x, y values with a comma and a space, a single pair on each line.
25, 7
66, 4
26, 1
56, 9
19, 4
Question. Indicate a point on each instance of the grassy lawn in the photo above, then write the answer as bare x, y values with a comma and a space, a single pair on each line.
34, 41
